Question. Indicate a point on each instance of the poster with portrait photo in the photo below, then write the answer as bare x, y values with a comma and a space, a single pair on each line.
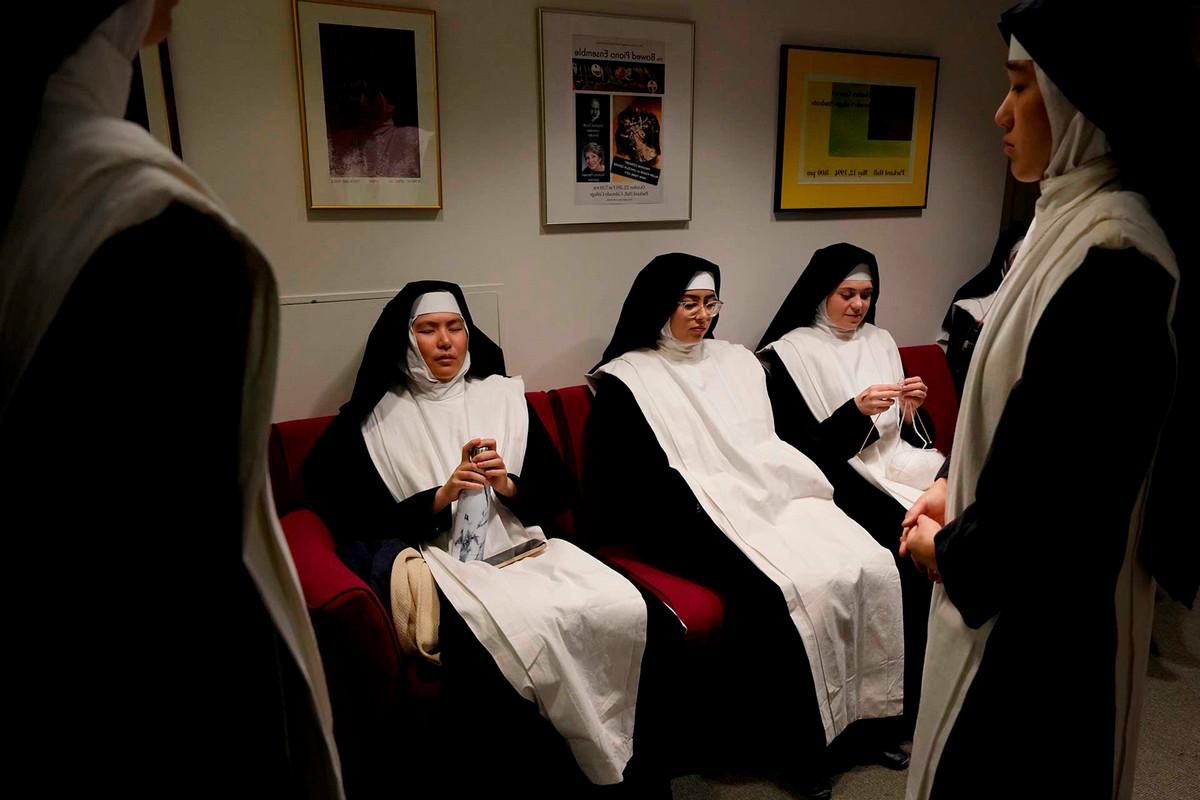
369, 76
637, 139
641, 71
592, 137
368, 110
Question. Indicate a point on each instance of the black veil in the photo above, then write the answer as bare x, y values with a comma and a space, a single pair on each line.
384, 363
652, 299
828, 267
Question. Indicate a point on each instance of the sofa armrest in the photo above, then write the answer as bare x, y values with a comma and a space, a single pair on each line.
354, 630
360, 652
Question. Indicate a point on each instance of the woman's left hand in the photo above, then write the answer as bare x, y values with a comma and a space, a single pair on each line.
912, 394
917, 543
492, 466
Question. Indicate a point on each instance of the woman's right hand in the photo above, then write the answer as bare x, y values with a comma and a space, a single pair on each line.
466, 476
876, 398
932, 504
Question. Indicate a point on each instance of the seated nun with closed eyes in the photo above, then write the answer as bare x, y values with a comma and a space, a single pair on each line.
438, 450
681, 435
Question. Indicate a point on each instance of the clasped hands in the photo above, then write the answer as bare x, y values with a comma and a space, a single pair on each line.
880, 397
485, 468
922, 522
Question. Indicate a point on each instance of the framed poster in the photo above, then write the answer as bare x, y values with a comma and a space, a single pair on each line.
855, 129
152, 96
616, 117
367, 77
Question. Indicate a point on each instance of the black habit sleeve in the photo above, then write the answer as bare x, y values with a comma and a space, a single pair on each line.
371, 528
544, 489
1073, 444
347, 492
838, 438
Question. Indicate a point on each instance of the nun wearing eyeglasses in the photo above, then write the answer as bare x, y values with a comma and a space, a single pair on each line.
840, 396
681, 437
1070, 487
438, 453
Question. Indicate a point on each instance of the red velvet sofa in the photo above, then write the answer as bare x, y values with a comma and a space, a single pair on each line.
380, 700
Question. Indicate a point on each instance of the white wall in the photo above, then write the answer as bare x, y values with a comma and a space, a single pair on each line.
560, 290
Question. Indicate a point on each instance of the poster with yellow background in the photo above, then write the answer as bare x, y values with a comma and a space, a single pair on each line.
855, 129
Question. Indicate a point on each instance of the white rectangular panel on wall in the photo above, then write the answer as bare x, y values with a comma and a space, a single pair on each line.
321, 343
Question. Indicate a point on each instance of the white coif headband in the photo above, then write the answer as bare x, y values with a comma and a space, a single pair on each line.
702, 280
434, 303
861, 273
1016, 52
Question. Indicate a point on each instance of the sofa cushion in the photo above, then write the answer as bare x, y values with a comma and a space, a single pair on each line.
288, 445
700, 610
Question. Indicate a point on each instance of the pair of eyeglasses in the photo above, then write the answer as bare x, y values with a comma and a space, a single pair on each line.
692, 307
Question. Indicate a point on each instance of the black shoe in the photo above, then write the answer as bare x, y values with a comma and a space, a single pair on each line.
814, 784
891, 756
818, 789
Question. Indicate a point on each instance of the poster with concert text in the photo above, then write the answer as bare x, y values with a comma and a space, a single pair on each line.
616, 115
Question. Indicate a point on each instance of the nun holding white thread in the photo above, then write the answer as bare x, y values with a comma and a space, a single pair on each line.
850, 378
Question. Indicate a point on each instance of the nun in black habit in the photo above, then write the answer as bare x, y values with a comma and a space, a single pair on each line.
839, 395
397, 469
681, 436
161, 638
1046, 540
968, 309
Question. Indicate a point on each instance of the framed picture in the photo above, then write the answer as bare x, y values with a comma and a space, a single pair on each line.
855, 129
152, 96
616, 117
367, 77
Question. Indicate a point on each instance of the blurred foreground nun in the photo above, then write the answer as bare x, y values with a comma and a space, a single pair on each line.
161, 638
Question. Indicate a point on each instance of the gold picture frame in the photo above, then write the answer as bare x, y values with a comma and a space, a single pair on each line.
855, 129
366, 76
152, 101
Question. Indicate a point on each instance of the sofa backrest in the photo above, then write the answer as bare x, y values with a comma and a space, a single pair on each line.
564, 414
287, 447
572, 404
290, 442
928, 361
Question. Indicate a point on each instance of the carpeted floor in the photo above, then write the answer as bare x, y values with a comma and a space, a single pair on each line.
1168, 756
